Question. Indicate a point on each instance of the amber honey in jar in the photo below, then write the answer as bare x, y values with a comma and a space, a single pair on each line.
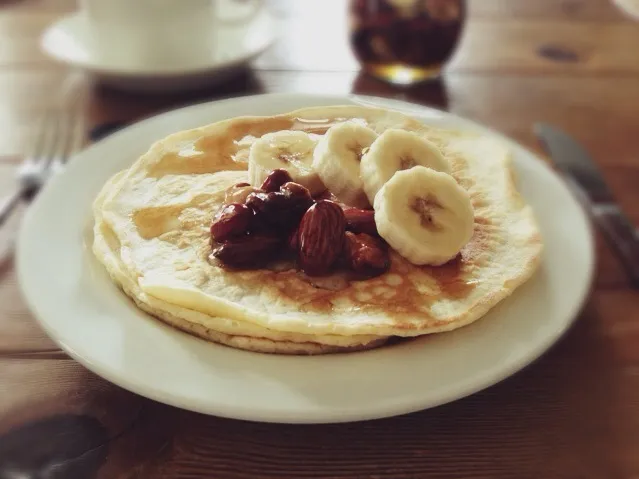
405, 41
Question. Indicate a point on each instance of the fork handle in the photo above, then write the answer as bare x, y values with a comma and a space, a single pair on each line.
8, 204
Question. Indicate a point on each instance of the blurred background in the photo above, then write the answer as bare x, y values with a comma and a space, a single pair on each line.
508, 63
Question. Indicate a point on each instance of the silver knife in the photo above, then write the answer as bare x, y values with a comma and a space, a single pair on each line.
581, 172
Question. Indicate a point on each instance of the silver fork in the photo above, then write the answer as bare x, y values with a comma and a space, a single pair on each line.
61, 133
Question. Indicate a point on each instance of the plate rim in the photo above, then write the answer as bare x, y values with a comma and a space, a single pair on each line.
235, 412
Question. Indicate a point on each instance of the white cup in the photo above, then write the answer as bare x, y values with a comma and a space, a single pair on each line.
163, 34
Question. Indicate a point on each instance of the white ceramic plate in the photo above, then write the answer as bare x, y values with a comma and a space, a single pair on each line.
68, 41
97, 325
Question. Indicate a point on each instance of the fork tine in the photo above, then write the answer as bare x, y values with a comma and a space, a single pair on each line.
40, 155
50, 139
78, 127
72, 135
58, 127
73, 87
81, 85
35, 147
60, 155
72, 115
60, 132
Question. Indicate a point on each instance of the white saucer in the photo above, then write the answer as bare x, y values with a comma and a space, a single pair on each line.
629, 7
91, 319
67, 40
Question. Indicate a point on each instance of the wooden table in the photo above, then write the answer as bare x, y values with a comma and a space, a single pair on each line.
572, 414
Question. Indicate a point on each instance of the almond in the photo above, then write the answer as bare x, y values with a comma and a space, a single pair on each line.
360, 221
320, 237
248, 252
366, 255
275, 179
232, 220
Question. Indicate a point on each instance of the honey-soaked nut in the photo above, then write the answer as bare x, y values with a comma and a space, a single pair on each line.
320, 237
232, 220
366, 255
275, 179
293, 242
257, 201
268, 206
238, 193
360, 221
276, 212
292, 189
299, 195
252, 251
326, 195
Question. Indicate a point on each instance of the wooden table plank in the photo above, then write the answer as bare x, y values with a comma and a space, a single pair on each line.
504, 10
19, 332
13, 6
58, 418
589, 10
20, 37
575, 10
516, 47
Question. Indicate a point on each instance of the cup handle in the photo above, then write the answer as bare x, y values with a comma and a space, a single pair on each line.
243, 19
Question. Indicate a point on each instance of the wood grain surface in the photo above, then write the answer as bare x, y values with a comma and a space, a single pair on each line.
572, 414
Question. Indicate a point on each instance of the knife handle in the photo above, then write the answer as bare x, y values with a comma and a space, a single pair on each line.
621, 236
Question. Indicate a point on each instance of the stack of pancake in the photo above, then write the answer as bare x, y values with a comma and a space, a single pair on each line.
151, 233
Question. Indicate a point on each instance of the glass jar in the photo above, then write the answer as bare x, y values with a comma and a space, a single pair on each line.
405, 41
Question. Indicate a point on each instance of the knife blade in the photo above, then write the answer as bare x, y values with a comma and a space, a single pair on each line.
580, 170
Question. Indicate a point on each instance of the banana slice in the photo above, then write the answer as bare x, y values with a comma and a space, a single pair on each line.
424, 215
336, 160
396, 150
287, 149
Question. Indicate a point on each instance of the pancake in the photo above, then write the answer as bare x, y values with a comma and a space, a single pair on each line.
152, 234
